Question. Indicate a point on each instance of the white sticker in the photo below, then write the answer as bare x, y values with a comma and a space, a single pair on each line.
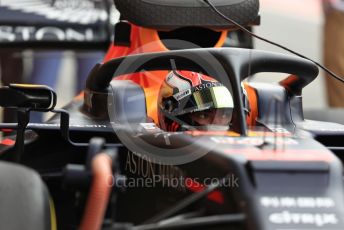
148, 126
316, 219
297, 202
181, 95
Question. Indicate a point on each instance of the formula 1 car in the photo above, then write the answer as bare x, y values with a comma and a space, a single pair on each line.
103, 163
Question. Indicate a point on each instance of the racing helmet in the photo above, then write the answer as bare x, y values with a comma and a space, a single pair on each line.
189, 100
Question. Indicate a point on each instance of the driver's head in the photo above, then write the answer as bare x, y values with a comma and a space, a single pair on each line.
190, 100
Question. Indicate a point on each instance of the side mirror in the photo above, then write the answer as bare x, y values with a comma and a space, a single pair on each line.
26, 98
32, 97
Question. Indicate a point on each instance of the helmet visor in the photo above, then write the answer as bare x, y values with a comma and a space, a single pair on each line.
196, 99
